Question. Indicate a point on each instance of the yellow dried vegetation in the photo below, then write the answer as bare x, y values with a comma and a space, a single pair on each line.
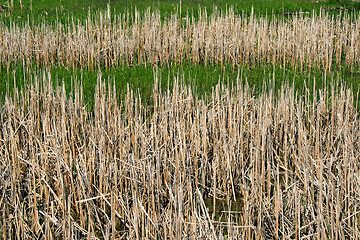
227, 165
108, 40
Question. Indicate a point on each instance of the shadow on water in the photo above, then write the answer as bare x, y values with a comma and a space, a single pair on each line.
225, 212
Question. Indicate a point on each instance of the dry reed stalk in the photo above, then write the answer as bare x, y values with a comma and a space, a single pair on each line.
106, 40
231, 164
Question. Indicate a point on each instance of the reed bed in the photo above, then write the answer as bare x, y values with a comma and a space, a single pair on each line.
230, 164
108, 40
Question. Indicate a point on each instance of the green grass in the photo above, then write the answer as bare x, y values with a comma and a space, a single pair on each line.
141, 77
53, 10
201, 78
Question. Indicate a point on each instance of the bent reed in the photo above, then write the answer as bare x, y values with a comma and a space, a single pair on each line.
228, 165
108, 40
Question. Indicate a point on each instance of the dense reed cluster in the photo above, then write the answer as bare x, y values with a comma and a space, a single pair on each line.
227, 165
108, 40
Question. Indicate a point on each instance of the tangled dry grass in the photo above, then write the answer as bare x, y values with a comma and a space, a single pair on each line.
227, 165
108, 40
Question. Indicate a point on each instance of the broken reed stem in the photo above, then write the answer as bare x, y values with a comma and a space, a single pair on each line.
231, 165
105, 40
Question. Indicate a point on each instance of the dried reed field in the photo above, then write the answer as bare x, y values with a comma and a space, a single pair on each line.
230, 164
109, 40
